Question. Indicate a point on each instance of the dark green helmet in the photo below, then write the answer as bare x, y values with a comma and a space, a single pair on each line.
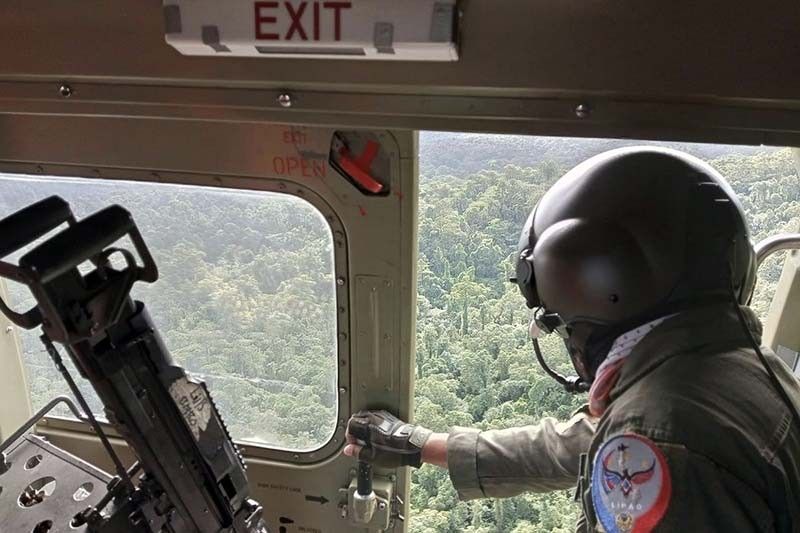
627, 236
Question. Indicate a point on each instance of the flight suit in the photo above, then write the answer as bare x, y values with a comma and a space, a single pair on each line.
695, 438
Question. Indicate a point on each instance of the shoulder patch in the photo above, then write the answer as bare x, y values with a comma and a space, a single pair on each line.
631, 484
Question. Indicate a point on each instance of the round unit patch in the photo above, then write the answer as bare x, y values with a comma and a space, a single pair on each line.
631, 484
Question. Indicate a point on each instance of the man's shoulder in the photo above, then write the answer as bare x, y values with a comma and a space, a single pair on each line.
705, 387
718, 403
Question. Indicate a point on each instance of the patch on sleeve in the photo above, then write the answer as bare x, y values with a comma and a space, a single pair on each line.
631, 484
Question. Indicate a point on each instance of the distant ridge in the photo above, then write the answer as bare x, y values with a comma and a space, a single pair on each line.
466, 153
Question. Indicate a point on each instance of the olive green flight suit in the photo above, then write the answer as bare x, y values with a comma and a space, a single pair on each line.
695, 389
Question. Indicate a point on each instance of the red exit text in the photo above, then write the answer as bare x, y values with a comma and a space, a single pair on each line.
306, 19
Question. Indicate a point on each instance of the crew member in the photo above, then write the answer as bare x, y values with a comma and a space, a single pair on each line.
641, 260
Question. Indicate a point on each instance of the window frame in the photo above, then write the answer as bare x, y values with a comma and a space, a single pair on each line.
250, 449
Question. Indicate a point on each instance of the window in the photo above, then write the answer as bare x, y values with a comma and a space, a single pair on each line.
474, 362
246, 299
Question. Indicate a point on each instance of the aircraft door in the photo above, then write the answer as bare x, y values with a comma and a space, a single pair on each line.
359, 191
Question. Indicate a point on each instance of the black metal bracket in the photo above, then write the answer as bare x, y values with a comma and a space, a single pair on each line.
72, 307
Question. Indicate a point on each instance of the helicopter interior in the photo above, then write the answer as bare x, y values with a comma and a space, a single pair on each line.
286, 170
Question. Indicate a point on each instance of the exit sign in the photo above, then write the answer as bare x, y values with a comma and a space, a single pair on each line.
415, 30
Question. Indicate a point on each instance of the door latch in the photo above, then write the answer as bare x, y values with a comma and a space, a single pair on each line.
367, 501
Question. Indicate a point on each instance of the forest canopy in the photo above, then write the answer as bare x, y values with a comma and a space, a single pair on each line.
235, 302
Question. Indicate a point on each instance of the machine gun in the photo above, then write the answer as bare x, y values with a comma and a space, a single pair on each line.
192, 475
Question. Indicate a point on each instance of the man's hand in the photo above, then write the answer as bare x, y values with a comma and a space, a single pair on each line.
381, 438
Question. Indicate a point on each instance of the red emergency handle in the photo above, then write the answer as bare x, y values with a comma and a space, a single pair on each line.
358, 168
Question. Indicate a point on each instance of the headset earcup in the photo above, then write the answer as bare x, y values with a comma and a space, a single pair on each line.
526, 279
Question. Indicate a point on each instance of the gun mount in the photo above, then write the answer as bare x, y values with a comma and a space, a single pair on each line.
191, 475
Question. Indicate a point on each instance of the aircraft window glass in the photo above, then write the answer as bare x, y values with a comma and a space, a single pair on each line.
246, 300
474, 362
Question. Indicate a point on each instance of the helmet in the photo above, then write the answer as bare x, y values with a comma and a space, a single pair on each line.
626, 237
